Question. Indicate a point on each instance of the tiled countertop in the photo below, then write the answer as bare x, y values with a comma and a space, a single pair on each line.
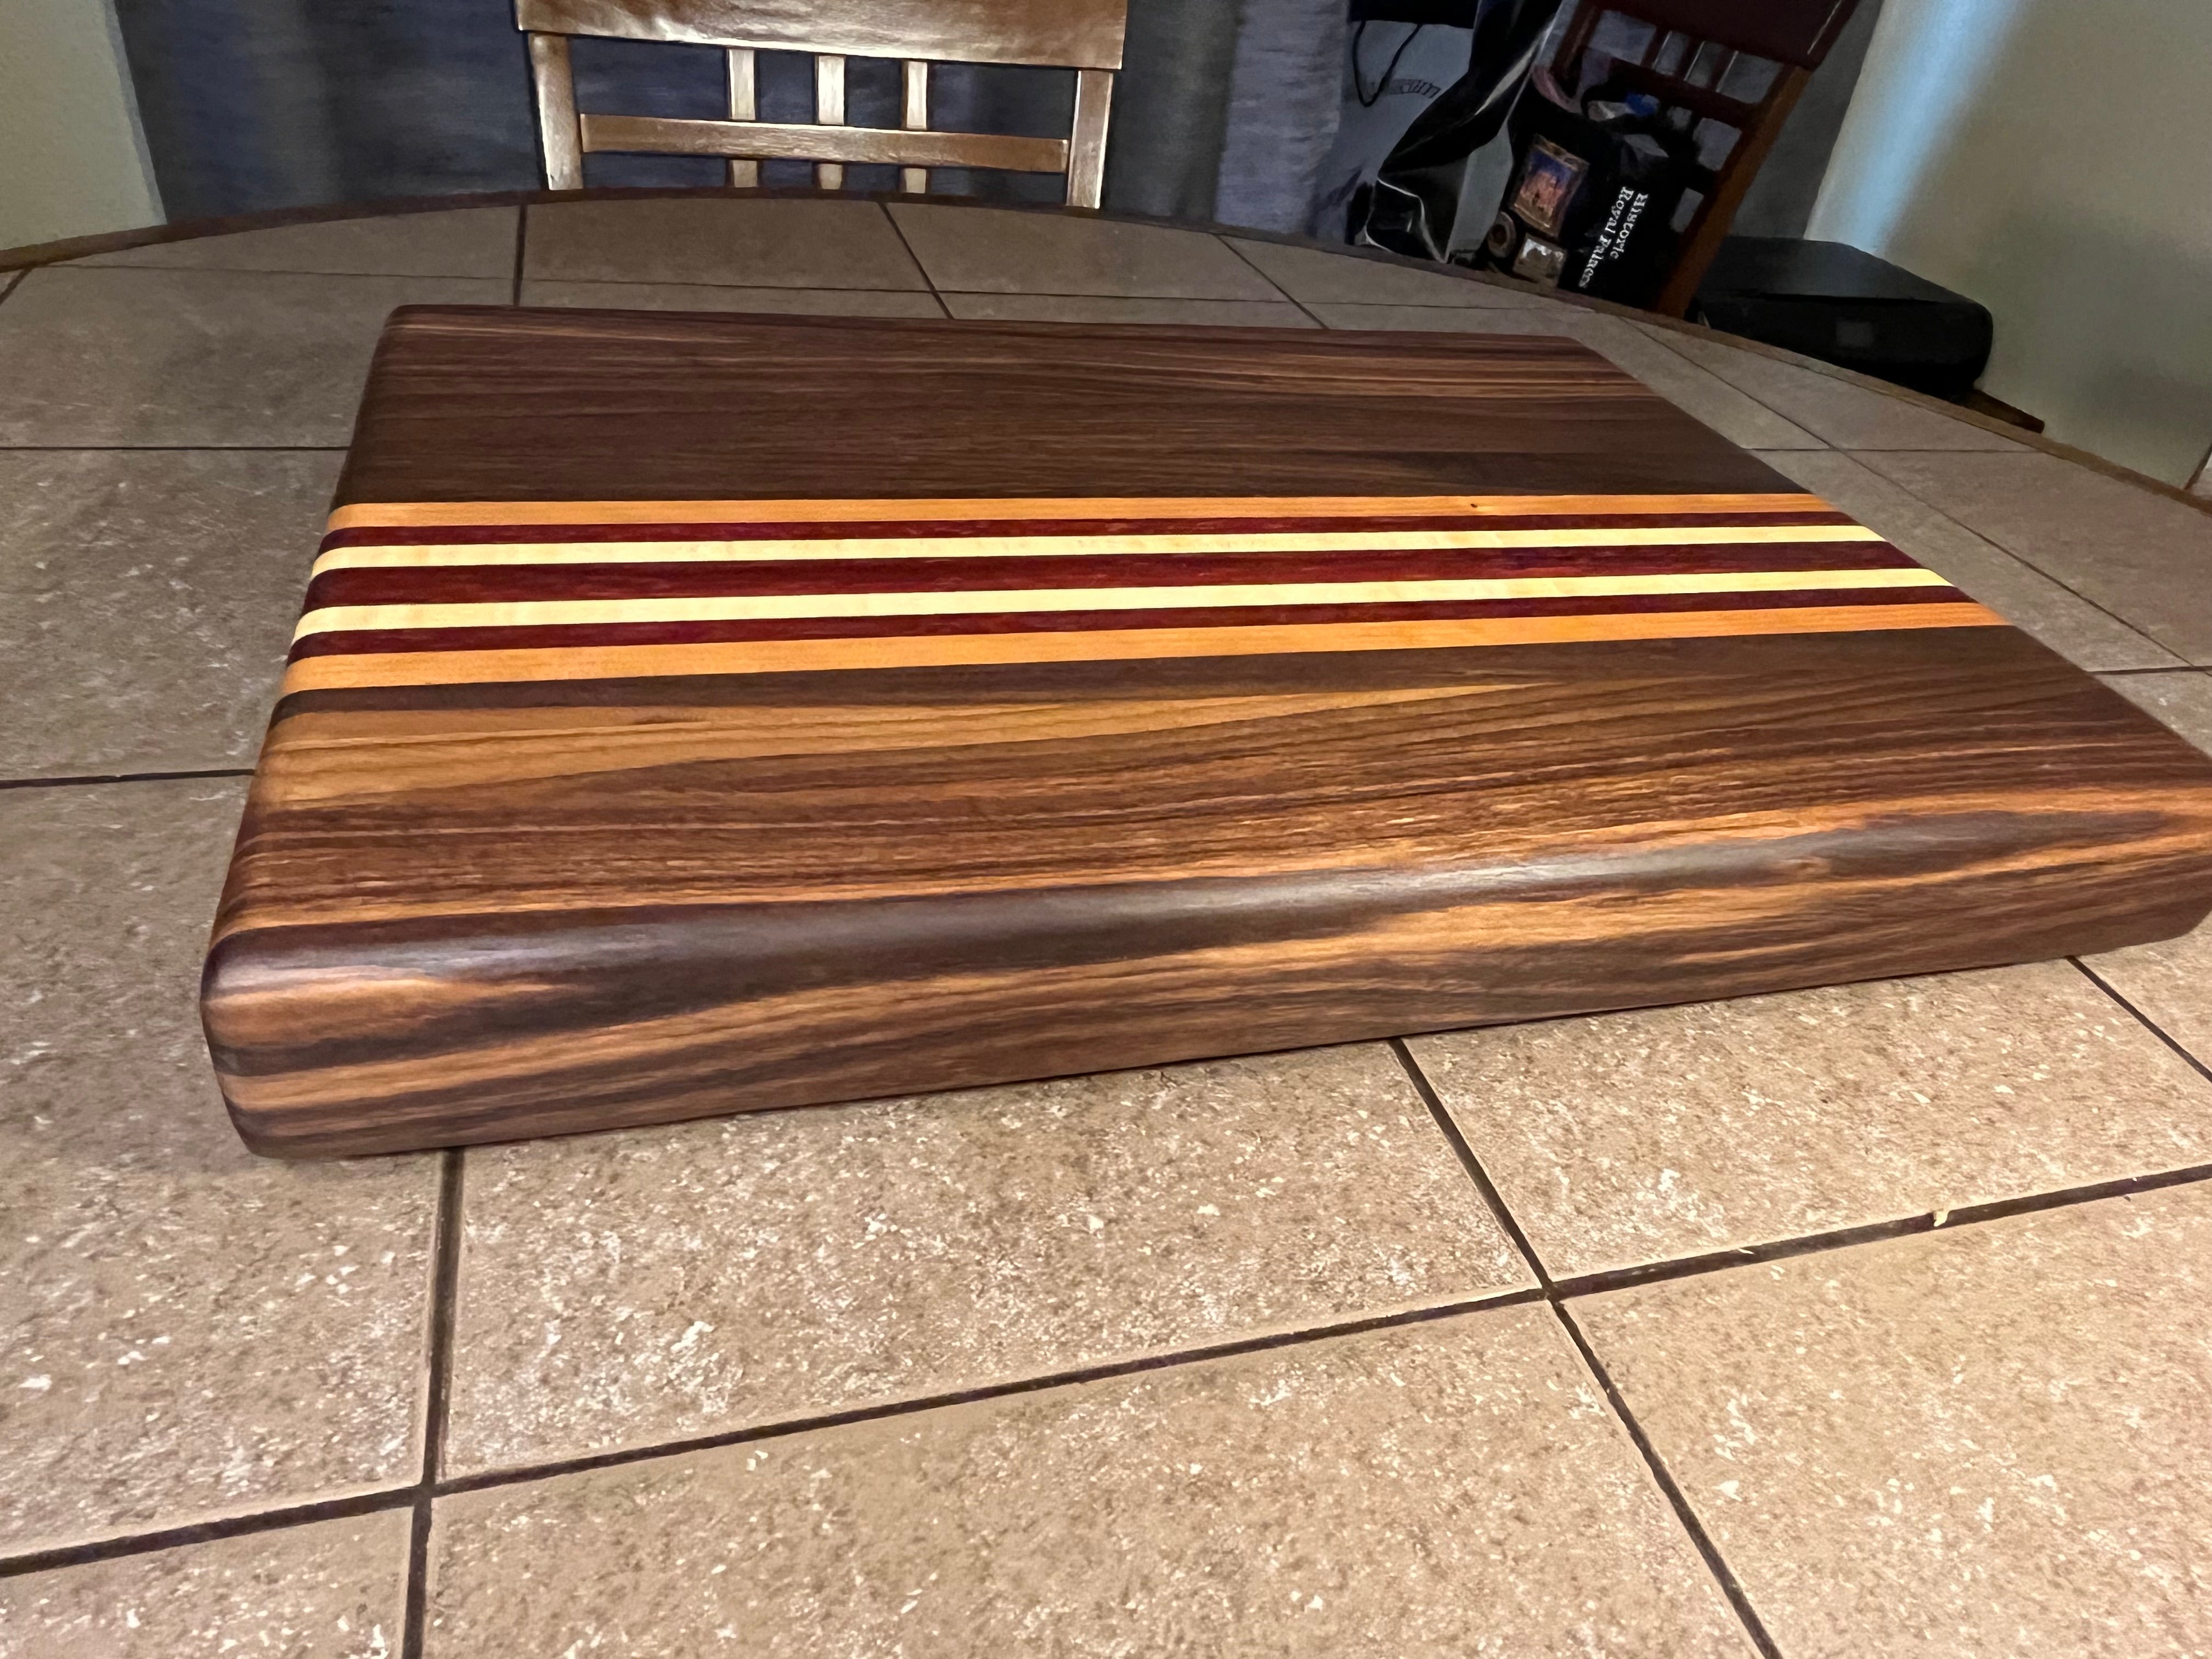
1866, 1321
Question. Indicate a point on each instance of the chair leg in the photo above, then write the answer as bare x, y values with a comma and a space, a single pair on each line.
560, 135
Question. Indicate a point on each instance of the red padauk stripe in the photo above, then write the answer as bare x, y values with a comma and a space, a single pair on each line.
492, 584
352, 642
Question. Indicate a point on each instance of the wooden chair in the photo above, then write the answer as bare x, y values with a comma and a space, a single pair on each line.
1085, 35
1695, 45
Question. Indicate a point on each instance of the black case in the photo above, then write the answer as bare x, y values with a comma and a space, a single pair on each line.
1848, 308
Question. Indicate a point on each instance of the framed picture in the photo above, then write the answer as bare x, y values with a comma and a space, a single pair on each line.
1541, 261
1549, 178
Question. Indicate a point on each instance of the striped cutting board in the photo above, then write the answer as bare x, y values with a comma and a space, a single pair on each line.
1266, 712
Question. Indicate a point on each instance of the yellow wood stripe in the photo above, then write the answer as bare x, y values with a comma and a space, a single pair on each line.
979, 602
801, 656
414, 515
1018, 547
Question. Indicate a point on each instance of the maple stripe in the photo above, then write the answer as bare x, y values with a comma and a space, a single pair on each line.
416, 555
971, 602
412, 514
695, 630
803, 656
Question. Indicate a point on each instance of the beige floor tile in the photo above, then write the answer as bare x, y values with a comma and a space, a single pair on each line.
987, 251
1111, 308
1739, 419
1635, 1138
1847, 416
1985, 1442
702, 296
1455, 1487
333, 1590
1306, 273
2024, 596
146, 601
187, 1330
2143, 557
2171, 982
2183, 701
627, 1288
467, 242
236, 358
1540, 318
790, 243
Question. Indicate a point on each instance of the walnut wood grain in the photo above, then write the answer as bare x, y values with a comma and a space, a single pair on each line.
629, 406
466, 911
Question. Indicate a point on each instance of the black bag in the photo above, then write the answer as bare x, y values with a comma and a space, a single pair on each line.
1594, 196
1409, 207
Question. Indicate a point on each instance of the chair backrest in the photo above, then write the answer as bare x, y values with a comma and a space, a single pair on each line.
1083, 35
1695, 45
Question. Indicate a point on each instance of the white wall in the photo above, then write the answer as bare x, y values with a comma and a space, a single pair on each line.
71, 160
2052, 159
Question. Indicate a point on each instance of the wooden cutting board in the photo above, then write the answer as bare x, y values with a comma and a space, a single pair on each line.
698, 713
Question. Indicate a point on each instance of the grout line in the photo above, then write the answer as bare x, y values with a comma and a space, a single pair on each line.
172, 449
1753, 1627
1240, 254
12, 283
740, 288
1683, 1513
71, 268
520, 1474
418, 1497
2144, 1019
1554, 1292
67, 782
521, 241
1449, 1128
2113, 673
1875, 1232
445, 1278
899, 231
203, 1532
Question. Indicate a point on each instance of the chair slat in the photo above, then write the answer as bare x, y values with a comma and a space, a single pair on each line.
1065, 33
1699, 100
914, 116
744, 95
829, 111
779, 141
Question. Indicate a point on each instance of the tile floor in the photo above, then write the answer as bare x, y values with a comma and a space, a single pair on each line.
1864, 1322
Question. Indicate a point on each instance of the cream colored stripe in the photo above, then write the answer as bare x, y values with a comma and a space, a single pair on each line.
1018, 547
430, 514
1114, 644
779, 607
